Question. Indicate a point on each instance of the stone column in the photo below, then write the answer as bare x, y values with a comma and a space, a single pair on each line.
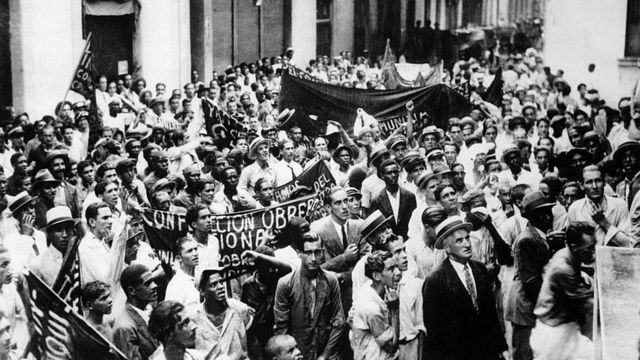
342, 26
162, 43
202, 38
303, 31
46, 42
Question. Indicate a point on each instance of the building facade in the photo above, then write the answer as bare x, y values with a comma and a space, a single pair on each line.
603, 33
163, 40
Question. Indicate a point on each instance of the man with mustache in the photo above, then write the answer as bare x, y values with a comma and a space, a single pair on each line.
66, 195
130, 331
459, 310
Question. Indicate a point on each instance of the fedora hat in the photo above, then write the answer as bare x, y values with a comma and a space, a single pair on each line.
372, 223
59, 215
336, 153
511, 149
255, 144
15, 203
534, 201
44, 176
156, 100
469, 121
163, 183
627, 145
429, 130
448, 226
56, 154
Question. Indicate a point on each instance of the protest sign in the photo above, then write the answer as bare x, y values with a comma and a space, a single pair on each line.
247, 230
433, 105
163, 229
616, 309
318, 177
60, 333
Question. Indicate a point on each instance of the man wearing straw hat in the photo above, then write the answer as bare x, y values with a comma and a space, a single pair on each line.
28, 243
261, 168
459, 310
60, 232
44, 185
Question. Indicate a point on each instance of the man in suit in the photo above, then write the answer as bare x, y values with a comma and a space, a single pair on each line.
459, 310
341, 239
531, 253
307, 304
394, 200
130, 331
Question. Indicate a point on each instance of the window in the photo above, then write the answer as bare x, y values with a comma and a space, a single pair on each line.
632, 41
323, 31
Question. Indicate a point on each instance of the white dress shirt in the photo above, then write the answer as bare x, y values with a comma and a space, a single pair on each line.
394, 200
182, 288
94, 255
459, 268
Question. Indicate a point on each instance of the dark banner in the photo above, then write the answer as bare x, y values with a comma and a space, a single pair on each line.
318, 177
61, 333
163, 229
247, 230
82, 82
434, 105
68, 284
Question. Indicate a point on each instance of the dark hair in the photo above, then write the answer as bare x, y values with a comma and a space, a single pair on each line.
132, 276
103, 169
93, 290
518, 192
575, 231
92, 210
553, 182
487, 127
572, 184
193, 211
82, 165
451, 143
101, 187
375, 262
164, 319
440, 189
384, 246
177, 246
260, 184
386, 163
15, 157
305, 238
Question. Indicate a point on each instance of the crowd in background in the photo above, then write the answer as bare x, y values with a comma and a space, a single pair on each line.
472, 242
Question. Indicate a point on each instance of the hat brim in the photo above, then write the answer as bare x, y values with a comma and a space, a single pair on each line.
38, 183
539, 207
374, 229
23, 204
374, 158
617, 155
339, 149
60, 221
507, 152
170, 184
254, 149
465, 225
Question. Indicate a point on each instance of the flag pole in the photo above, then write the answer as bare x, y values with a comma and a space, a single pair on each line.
87, 42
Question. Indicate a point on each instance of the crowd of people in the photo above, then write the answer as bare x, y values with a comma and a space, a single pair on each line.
472, 242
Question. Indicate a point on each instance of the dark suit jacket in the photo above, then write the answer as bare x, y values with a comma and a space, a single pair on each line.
531, 254
71, 195
334, 259
455, 331
318, 333
131, 335
407, 205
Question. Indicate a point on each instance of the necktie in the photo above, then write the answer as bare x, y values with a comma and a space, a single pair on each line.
293, 175
345, 243
470, 287
35, 248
